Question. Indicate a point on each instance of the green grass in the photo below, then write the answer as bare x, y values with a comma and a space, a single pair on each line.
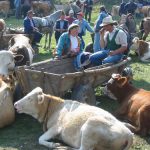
24, 132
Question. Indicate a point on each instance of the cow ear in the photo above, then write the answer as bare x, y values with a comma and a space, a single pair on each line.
40, 98
122, 81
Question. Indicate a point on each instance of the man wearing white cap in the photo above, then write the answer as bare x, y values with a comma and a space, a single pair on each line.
69, 44
70, 18
113, 43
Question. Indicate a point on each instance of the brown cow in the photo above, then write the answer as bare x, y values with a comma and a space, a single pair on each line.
145, 28
142, 48
134, 103
5, 7
42, 8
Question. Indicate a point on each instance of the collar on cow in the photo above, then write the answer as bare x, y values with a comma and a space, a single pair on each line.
46, 116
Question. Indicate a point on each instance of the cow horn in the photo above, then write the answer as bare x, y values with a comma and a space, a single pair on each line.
122, 81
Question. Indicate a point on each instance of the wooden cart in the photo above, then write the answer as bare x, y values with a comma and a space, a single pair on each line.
59, 76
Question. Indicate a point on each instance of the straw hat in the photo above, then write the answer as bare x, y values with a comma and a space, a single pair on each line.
107, 21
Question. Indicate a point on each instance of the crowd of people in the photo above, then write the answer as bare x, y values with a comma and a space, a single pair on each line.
110, 42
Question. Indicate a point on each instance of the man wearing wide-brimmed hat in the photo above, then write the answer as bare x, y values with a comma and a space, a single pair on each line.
69, 44
113, 42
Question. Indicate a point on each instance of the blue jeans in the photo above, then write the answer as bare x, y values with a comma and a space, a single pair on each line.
96, 45
102, 57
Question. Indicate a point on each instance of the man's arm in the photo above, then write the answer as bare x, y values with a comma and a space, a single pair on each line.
102, 41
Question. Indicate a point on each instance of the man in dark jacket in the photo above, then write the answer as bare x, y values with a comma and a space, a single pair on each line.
88, 5
131, 6
61, 26
29, 28
122, 9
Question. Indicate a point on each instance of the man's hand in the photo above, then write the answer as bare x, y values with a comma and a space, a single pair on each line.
111, 53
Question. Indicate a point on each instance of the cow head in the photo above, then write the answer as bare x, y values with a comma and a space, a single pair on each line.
140, 46
7, 63
31, 103
116, 85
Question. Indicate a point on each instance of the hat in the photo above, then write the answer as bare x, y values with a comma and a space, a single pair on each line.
73, 25
107, 21
80, 13
71, 12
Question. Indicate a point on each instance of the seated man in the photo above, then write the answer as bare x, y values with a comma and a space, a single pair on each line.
69, 44
113, 42
29, 28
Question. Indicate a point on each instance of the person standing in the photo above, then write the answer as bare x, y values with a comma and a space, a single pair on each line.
122, 9
83, 26
70, 18
26, 6
113, 43
60, 26
130, 7
102, 15
88, 5
17, 4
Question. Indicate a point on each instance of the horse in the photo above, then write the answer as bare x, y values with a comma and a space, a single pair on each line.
46, 24
68, 7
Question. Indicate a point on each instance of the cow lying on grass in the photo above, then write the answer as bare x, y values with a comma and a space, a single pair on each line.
80, 126
134, 103
142, 48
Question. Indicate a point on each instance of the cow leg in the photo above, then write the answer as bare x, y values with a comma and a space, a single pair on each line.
143, 123
50, 36
48, 135
122, 111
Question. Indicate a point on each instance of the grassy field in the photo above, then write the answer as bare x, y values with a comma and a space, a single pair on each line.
24, 132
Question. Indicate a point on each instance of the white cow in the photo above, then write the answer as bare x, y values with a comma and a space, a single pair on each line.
7, 63
81, 126
7, 110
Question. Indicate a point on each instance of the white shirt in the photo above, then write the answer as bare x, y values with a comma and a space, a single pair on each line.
74, 43
121, 38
